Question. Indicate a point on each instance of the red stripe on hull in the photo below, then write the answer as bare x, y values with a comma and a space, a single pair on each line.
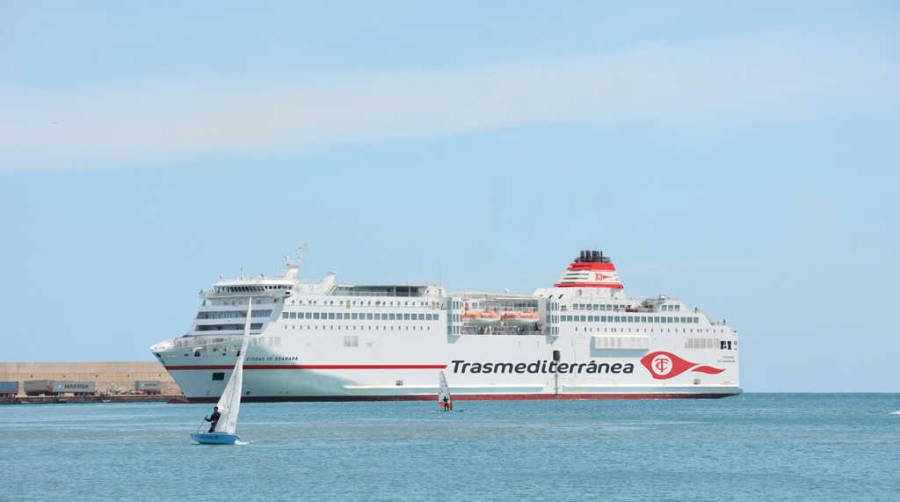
468, 397
317, 367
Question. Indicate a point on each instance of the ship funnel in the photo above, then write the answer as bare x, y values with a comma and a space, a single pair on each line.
590, 270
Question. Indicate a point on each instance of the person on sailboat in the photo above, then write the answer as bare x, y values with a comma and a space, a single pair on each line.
213, 419
446, 404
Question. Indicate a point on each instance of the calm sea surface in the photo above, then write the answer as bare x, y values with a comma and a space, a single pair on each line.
750, 447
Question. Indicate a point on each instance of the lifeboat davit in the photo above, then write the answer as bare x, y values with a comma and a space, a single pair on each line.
520, 318
481, 318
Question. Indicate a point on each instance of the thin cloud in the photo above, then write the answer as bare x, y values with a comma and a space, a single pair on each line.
774, 78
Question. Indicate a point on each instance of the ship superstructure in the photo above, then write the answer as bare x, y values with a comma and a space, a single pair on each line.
326, 340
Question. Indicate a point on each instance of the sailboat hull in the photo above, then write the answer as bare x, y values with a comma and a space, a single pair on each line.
215, 438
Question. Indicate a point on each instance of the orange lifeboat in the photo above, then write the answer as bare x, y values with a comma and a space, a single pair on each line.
481, 318
520, 318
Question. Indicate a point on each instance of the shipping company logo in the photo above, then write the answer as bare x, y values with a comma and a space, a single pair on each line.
542, 366
664, 365
661, 365
600, 277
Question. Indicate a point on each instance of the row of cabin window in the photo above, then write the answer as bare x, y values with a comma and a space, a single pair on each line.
602, 307
624, 318
709, 343
354, 327
256, 301
227, 327
360, 303
248, 289
612, 307
233, 314
353, 316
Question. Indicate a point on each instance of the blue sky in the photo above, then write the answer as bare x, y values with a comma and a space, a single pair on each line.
740, 156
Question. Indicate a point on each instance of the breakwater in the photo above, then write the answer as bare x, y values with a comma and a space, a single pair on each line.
121, 398
76, 382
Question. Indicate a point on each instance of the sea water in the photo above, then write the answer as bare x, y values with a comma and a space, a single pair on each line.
748, 447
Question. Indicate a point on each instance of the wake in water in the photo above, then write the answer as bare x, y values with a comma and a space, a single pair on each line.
895, 413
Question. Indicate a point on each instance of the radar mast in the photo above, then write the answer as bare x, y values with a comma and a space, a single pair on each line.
294, 265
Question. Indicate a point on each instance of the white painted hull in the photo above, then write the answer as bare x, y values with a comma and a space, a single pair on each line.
406, 367
331, 341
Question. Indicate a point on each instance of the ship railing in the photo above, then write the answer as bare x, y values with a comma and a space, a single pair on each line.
501, 330
244, 294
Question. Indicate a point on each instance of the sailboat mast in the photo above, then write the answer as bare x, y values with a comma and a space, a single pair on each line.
230, 401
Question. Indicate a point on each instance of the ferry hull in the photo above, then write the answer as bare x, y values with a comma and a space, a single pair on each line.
482, 397
602, 378
337, 342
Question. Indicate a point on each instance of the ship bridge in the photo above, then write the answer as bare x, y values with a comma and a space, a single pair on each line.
251, 286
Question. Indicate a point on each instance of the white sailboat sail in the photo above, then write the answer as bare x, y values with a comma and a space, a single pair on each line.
230, 402
444, 390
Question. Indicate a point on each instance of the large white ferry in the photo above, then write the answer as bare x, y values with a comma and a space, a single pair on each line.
583, 338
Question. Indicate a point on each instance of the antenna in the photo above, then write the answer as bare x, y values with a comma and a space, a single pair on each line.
300, 252
296, 264
292, 266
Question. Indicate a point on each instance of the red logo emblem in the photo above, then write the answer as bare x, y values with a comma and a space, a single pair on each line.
664, 365
599, 277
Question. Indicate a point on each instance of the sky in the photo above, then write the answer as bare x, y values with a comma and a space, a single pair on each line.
741, 156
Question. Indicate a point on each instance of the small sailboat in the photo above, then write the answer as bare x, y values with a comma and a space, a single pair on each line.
229, 404
444, 398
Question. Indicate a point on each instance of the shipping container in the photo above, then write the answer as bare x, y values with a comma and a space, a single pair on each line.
36, 387
70, 387
146, 385
9, 387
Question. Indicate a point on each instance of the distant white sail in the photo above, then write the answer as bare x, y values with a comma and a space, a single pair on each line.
230, 402
444, 390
